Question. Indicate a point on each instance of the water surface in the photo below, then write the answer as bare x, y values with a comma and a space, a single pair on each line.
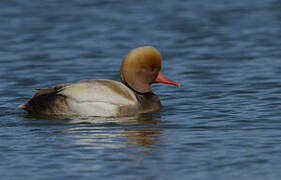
223, 123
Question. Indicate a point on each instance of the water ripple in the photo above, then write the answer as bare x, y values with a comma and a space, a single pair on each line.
223, 123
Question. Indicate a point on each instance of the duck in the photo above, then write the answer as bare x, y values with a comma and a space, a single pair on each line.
140, 68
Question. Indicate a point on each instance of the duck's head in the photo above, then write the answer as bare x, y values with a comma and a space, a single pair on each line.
141, 67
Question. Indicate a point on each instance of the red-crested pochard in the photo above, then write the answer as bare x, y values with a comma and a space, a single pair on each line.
101, 97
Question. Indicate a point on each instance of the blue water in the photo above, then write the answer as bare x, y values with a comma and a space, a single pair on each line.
223, 123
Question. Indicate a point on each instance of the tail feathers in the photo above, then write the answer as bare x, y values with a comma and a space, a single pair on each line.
22, 106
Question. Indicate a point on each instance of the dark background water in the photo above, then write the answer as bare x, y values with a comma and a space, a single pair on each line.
223, 123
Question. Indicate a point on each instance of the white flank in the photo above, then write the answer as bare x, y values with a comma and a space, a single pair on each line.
92, 98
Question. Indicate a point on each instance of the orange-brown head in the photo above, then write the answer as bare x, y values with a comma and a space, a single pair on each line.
141, 67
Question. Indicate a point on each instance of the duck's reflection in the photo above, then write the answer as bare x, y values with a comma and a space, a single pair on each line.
142, 130
146, 132
100, 133
143, 137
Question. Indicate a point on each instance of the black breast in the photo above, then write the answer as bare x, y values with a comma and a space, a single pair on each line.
148, 101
